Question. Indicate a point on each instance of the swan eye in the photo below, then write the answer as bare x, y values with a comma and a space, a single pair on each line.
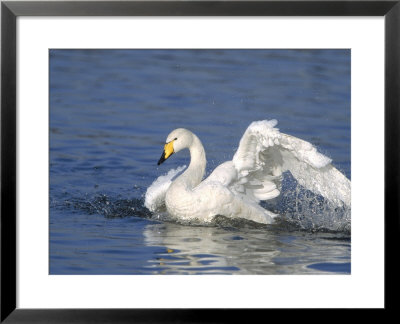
175, 138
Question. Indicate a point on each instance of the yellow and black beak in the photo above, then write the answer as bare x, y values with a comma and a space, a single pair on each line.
168, 151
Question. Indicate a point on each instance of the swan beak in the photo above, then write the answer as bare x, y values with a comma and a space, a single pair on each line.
168, 151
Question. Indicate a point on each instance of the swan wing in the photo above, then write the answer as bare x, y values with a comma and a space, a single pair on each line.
155, 194
264, 153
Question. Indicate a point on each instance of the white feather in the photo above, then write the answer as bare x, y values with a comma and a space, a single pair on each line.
155, 194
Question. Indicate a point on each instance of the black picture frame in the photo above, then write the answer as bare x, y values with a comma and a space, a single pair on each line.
10, 10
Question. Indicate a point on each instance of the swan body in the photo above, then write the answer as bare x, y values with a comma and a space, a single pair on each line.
235, 188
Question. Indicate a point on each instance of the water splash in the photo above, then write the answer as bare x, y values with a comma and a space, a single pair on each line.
308, 211
106, 206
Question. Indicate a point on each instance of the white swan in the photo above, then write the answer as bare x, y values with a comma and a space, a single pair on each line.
235, 188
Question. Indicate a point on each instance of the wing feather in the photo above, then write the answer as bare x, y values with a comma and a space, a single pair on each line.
264, 154
155, 194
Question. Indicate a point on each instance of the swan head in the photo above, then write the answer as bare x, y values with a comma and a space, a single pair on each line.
177, 140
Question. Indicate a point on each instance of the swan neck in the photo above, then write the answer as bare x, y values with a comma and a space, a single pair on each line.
195, 172
197, 154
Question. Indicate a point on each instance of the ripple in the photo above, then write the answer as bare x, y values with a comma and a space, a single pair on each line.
332, 267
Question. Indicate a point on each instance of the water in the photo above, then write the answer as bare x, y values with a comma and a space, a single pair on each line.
110, 112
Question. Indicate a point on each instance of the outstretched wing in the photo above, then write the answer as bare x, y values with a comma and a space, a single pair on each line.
155, 194
264, 154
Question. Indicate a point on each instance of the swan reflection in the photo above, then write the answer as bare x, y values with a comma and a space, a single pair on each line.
216, 250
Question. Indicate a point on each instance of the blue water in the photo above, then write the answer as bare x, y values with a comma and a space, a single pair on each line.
110, 112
